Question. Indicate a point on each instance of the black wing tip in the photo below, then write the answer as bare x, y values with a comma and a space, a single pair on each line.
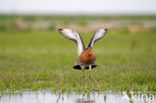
78, 67
105, 29
60, 29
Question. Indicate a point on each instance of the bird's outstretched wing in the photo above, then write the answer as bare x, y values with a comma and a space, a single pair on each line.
98, 35
74, 36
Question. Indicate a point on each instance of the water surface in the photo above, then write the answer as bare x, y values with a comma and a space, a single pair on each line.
25, 96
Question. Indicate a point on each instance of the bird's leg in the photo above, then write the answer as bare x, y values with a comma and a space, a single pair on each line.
83, 75
89, 75
90, 67
83, 71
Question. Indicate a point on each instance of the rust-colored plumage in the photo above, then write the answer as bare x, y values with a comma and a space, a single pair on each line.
86, 57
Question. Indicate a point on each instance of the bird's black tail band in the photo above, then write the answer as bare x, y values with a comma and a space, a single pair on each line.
78, 67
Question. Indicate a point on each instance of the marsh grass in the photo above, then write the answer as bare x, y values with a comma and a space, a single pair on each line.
43, 59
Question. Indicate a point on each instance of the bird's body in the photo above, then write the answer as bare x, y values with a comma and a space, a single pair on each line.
86, 56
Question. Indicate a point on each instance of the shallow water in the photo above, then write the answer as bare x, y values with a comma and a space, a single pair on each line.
74, 97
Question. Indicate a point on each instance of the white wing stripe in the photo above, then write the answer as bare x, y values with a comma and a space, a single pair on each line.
98, 35
73, 35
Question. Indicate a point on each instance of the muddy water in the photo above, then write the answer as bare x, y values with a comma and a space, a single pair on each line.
73, 97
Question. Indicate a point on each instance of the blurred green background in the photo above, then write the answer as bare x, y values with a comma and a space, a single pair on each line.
34, 55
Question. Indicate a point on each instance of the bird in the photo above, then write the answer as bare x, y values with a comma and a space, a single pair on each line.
86, 56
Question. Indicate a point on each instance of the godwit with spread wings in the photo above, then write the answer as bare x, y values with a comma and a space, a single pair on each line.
86, 56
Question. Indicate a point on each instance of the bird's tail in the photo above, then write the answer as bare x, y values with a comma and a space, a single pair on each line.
78, 67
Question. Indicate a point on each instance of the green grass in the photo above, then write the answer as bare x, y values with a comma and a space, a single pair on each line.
43, 59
